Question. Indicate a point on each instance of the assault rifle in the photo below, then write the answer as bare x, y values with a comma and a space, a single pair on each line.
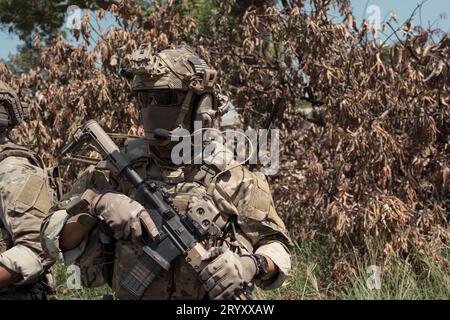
178, 235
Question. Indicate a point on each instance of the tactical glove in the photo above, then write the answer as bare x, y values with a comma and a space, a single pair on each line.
224, 277
124, 216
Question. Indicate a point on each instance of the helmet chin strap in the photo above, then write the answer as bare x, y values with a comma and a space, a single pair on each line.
185, 107
205, 111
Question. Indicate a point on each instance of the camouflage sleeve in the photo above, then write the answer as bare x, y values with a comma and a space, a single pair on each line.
25, 200
50, 231
245, 194
87, 255
54, 223
282, 259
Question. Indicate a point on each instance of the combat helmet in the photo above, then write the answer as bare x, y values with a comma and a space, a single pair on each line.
181, 76
12, 112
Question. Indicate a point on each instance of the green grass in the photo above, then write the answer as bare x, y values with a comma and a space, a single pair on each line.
64, 293
311, 279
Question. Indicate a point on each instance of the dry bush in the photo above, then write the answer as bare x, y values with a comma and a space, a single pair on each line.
371, 172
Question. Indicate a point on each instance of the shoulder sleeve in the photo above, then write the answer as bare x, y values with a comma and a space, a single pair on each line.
250, 194
245, 194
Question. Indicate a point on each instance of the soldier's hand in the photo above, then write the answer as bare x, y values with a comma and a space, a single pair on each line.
124, 215
227, 274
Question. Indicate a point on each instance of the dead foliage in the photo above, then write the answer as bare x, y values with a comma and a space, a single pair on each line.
372, 171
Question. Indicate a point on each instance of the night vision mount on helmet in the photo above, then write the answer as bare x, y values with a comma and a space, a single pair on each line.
174, 69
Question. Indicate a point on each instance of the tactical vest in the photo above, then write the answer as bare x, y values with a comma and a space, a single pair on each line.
41, 289
181, 281
13, 150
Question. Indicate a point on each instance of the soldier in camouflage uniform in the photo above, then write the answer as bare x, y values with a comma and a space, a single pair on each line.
173, 88
25, 200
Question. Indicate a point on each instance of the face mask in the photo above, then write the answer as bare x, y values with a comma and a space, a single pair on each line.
154, 117
159, 109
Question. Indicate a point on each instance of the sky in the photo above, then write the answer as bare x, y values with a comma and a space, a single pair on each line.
373, 9
430, 13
